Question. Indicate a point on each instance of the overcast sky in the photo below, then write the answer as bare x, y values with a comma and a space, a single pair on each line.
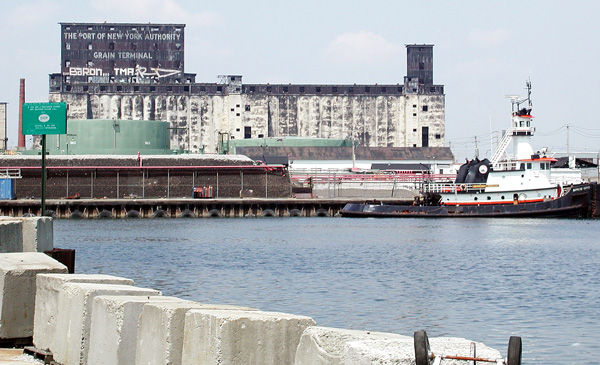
484, 50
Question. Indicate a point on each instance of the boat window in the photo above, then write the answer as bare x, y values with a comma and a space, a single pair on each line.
502, 197
543, 166
528, 123
528, 165
522, 124
522, 167
489, 198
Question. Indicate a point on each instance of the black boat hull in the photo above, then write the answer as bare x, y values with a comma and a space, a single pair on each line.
576, 203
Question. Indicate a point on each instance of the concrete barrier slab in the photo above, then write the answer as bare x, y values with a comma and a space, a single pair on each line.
161, 331
38, 234
325, 345
17, 288
73, 323
48, 288
114, 330
242, 337
402, 352
11, 235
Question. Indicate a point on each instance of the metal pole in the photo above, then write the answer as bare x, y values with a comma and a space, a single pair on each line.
143, 185
266, 186
168, 183
217, 184
67, 182
117, 184
43, 175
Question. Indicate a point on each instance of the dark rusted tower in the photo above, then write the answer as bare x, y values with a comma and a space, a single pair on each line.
419, 63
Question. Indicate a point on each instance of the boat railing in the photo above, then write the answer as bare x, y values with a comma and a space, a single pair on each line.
507, 166
446, 188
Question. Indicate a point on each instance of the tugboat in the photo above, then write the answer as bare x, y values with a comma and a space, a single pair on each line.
514, 187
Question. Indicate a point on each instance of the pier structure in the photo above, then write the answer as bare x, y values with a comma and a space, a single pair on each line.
136, 72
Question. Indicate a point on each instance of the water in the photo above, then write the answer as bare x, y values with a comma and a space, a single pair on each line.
481, 279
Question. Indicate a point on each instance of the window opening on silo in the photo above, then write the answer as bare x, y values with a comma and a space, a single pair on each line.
438, 136
414, 129
247, 108
237, 129
237, 114
232, 109
237, 105
425, 108
247, 132
261, 136
301, 89
219, 88
367, 89
414, 114
414, 145
414, 105
318, 89
285, 89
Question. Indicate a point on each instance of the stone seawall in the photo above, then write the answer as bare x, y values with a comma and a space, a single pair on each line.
103, 319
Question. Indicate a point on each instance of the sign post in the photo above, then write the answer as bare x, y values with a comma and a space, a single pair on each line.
42, 119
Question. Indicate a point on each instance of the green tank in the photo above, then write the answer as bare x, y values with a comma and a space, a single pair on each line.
111, 137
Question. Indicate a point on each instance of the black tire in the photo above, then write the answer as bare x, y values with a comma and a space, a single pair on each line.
268, 213
50, 213
214, 213
105, 214
161, 213
422, 349
295, 213
132, 214
76, 214
322, 213
515, 348
186, 214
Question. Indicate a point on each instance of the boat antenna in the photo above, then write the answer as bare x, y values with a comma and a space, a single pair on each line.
528, 83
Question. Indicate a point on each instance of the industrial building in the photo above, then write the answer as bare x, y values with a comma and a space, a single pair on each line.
136, 72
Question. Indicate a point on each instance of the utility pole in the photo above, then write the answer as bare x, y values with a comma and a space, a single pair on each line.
568, 141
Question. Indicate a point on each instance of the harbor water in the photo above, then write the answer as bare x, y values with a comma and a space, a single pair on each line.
481, 279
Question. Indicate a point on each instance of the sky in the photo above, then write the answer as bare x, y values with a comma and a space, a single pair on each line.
484, 51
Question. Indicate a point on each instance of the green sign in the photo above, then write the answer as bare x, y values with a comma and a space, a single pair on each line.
44, 118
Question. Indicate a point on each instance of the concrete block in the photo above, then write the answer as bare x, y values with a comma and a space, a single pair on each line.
11, 235
73, 323
38, 234
48, 289
242, 337
402, 352
114, 330
17, 288
325, 346
161, 330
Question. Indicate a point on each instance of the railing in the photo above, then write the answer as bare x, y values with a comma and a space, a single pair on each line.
345, 177
10, 173
452, 187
